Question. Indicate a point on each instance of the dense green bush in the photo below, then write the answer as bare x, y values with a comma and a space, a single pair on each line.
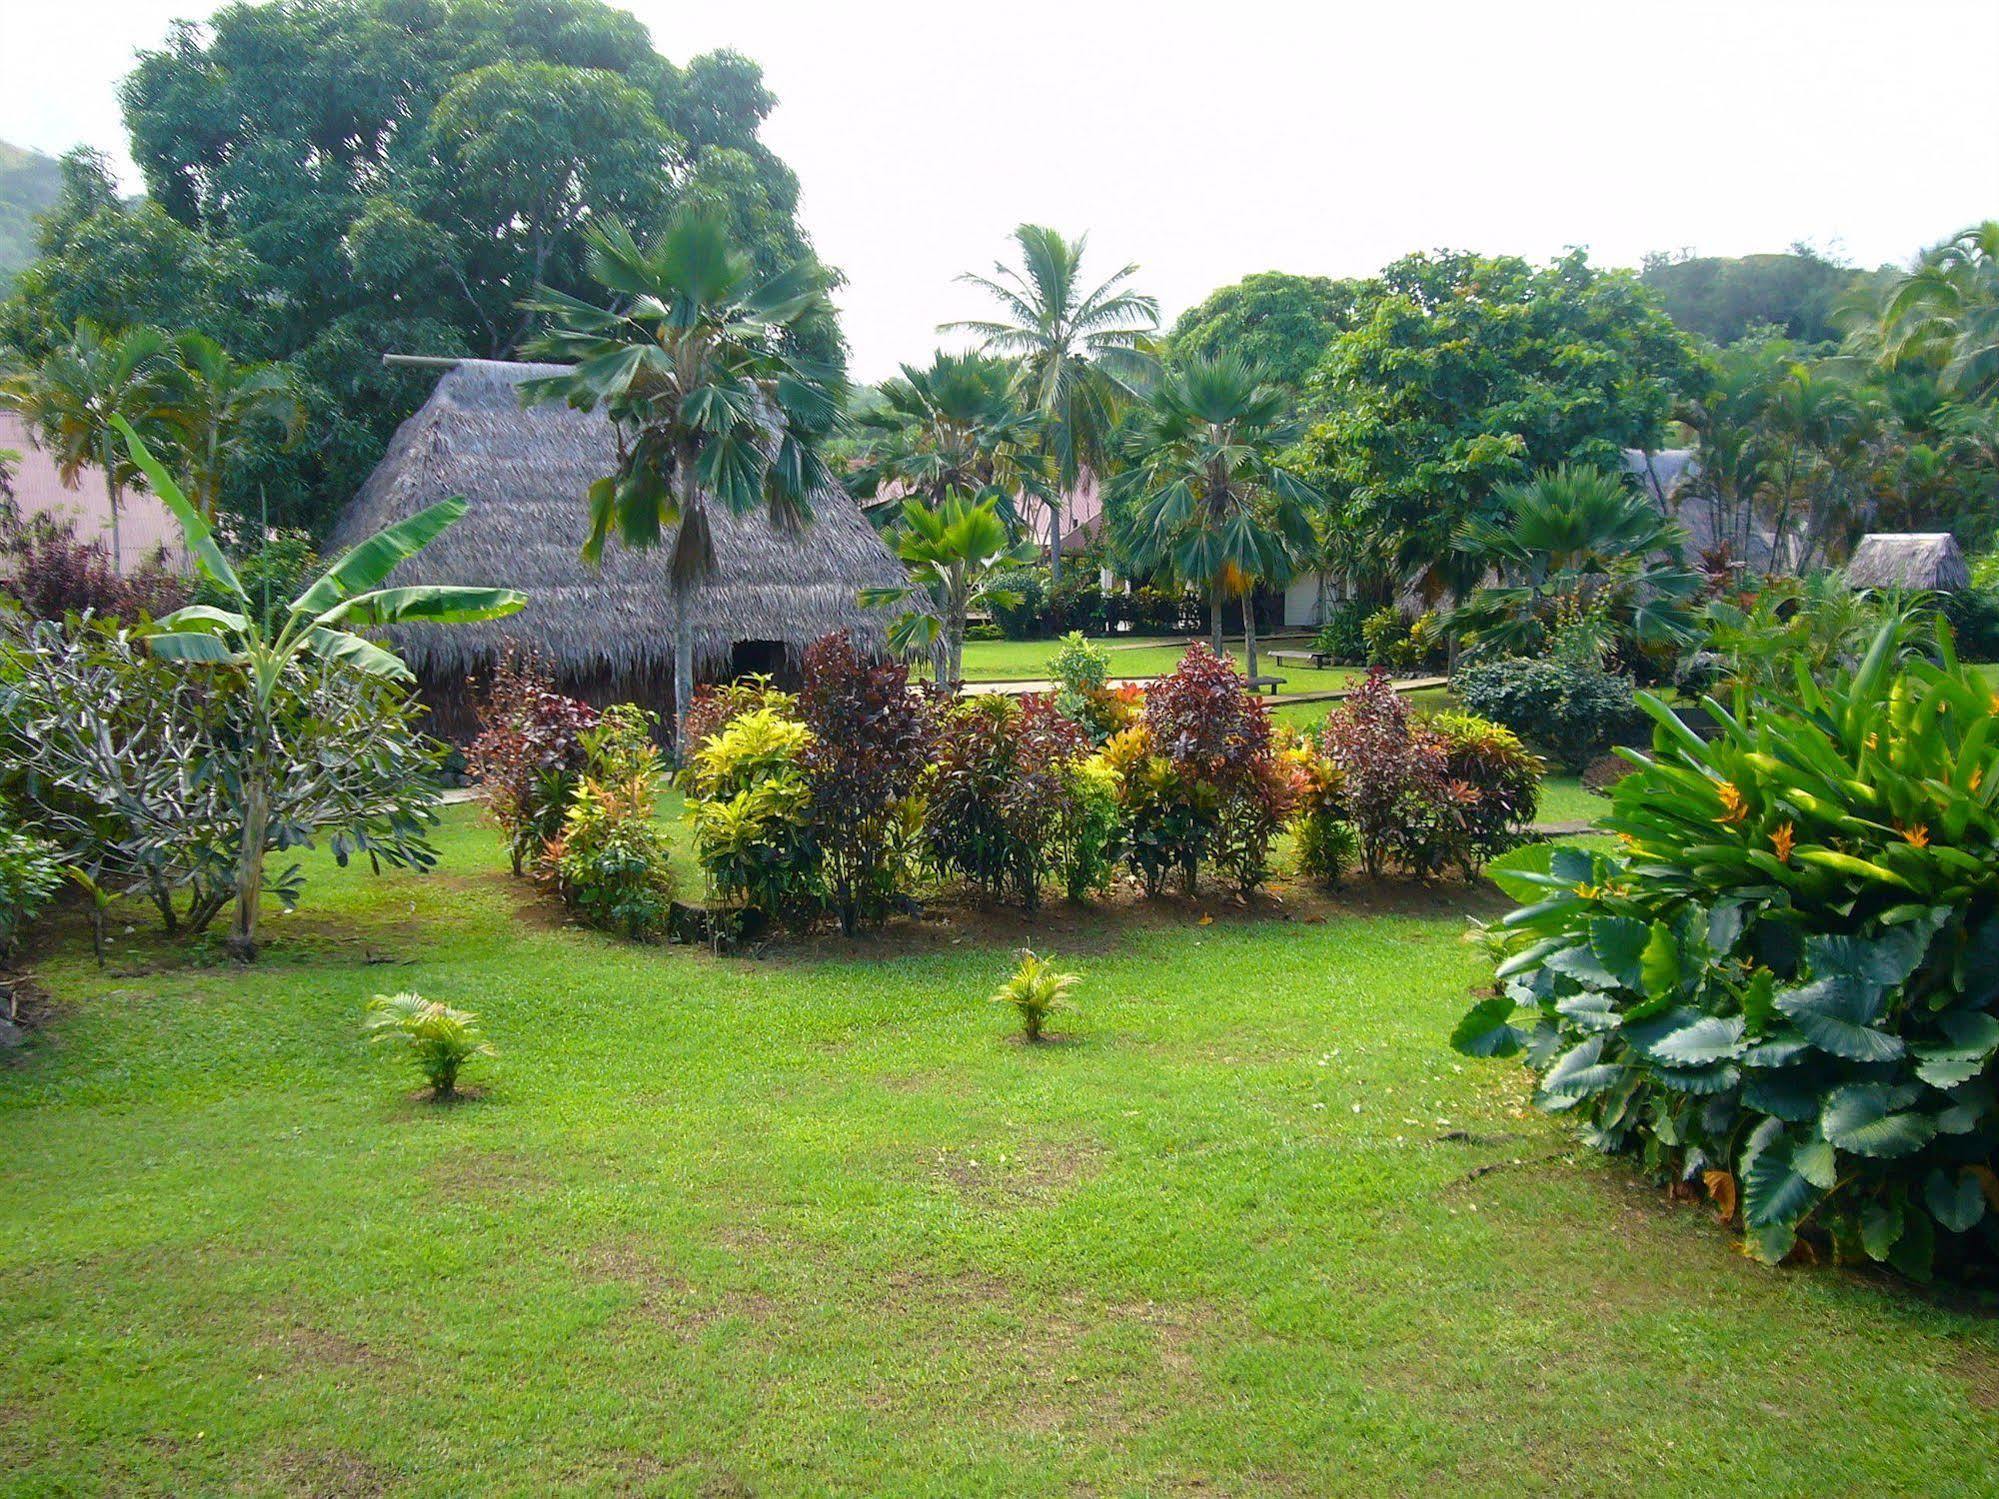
1571, 709
1974, 619
1784, 987
1320, 831
1089, 829
1495, 787
750, 808
30, 875
1081, 672
610, 862
1341, 634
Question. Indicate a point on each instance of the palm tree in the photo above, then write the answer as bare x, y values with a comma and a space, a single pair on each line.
1080, 354
70, 398
1205, 496
322, 621
1582, 535
1946, 312
953, 553
1813, 426
699, 373
951, 428
217, 409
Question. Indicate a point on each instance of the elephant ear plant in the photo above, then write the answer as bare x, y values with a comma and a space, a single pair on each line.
319, 626
1784, 987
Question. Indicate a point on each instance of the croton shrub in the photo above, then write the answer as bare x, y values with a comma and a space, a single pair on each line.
529, 755
1782, 988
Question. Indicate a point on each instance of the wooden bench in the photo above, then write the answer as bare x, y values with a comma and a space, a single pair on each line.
1319, 660
1265, 684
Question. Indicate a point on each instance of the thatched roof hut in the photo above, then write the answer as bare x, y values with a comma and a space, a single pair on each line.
1909, 559
607, 631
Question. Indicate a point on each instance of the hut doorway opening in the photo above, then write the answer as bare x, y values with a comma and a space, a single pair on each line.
757, 658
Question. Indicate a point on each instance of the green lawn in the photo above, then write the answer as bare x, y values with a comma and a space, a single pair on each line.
814, 1223
1027, 660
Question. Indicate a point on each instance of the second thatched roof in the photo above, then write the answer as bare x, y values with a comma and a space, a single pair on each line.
1908, 559
525, 471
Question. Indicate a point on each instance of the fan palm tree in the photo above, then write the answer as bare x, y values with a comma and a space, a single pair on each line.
1079, 354
320, 622
70, 398
951, 428
697, 369
953, 553
217, 409
1580, 534
1205, 496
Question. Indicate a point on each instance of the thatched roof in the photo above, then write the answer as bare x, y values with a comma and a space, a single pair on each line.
1908, 559
524, 471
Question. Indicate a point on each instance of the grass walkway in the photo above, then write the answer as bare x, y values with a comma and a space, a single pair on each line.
816, 1224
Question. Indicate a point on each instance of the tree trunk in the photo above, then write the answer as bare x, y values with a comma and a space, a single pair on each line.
1249, 628
1055, 541
1215, 615
683, 675
250, 867
112, 497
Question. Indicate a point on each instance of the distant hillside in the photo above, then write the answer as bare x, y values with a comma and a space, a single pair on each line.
28, 185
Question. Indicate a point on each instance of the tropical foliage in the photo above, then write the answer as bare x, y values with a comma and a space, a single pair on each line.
699, 366
1782, 987
1206, 497
957, 554
438, 1039
1078, 353
609, 863
1035, 989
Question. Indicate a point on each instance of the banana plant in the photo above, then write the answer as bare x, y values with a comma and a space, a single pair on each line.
953, 554
322, 622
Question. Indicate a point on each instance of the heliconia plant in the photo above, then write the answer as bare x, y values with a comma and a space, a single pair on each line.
322, 622
1783, 987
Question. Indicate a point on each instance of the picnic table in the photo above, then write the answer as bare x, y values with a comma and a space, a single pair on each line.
1265, 684
1317, 659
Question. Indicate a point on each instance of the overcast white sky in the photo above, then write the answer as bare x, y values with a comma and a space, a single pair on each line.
1209, 141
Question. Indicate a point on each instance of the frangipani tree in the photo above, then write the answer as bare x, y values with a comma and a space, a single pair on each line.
953, 554
321, 622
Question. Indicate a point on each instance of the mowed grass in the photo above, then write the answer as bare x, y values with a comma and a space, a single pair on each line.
815, 1223
1027, 660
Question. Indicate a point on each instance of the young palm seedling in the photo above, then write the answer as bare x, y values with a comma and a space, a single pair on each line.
1034, 990
440, 1039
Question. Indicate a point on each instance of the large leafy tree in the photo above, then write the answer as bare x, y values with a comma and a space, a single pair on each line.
1465, 373
1206, 496
954, 551
951, 427
696, 365
1079, 350
73, 396
1723, 298
1277, 321
322, 622
1945, 313
330, 179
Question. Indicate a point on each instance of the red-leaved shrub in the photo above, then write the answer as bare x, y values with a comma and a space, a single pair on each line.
871, 739
529, 755
53, 574
997, 792
1396, 782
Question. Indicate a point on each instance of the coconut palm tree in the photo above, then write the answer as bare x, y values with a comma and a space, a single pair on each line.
1205, 495
953, 553
697, 369
217, 410
1079, 354
1946, 312
1580, 534
70, 398
951, 428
